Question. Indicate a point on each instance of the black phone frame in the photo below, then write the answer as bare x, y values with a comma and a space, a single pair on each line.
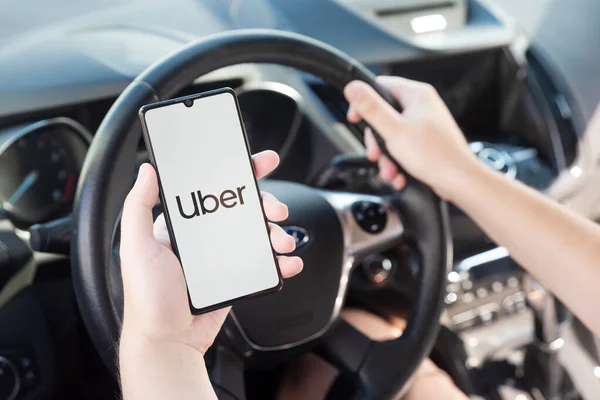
148, 142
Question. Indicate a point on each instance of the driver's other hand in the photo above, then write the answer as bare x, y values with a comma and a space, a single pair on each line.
309, 377
155, 296
424, 139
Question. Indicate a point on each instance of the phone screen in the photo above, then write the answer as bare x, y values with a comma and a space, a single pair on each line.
211, 199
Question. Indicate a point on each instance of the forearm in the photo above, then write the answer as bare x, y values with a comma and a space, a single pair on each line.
162, 370
558, 246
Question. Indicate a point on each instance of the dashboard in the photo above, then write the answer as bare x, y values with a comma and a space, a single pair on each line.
295, 114
60, 82
41, 161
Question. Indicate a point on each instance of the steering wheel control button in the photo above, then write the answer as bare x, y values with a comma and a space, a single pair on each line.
370, 216
10, 382
25, 362
377, 268
25, 368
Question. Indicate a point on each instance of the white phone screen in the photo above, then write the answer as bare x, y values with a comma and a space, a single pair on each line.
211, 197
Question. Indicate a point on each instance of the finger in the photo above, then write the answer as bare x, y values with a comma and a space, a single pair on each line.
290, 266
265, 162
137, 222
281, 241
406, 91
399, 182
373, 108
161, 232
274, 209
371, 325
352, 115
373, 150
387, 170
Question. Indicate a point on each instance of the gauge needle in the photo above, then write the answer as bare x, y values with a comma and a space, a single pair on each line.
27, 183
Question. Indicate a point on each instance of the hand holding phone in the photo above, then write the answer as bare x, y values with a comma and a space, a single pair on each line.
160, 336
210, 198
156, 301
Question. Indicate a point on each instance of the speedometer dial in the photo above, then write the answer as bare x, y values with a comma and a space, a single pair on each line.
39, 172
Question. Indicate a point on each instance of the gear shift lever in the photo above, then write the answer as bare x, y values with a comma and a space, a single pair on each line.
542, 367
543, 304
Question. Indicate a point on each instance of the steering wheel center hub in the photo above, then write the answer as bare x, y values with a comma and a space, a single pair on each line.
309, 302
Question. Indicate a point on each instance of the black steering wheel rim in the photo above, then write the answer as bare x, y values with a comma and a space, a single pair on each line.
108, 172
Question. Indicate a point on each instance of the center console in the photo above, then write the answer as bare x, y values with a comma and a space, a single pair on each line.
486, 305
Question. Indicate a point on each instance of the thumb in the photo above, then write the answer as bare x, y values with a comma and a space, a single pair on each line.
137, 224
377, 112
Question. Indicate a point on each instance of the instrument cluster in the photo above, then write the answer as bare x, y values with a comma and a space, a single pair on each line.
40, 165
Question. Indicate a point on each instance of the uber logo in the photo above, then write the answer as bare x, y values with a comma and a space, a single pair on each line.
209, 203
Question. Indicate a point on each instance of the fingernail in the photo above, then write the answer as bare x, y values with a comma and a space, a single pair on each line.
352, 90
142, 174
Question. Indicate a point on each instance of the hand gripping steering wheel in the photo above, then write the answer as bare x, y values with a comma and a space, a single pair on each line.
306, 311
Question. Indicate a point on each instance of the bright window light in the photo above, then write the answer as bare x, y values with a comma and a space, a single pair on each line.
428, 23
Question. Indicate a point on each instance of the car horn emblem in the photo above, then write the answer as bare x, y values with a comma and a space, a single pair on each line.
300, 235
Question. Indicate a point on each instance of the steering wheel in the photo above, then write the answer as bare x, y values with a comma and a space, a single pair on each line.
305, 312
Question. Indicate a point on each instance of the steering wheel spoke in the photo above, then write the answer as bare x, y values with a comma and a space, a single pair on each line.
227, 375
384, 363
346, 347
369, 223
372, 363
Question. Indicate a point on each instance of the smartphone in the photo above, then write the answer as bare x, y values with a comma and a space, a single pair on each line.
210, 197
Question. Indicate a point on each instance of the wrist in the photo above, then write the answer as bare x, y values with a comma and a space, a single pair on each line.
466, 184
136, 347
459, 179
152, 368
